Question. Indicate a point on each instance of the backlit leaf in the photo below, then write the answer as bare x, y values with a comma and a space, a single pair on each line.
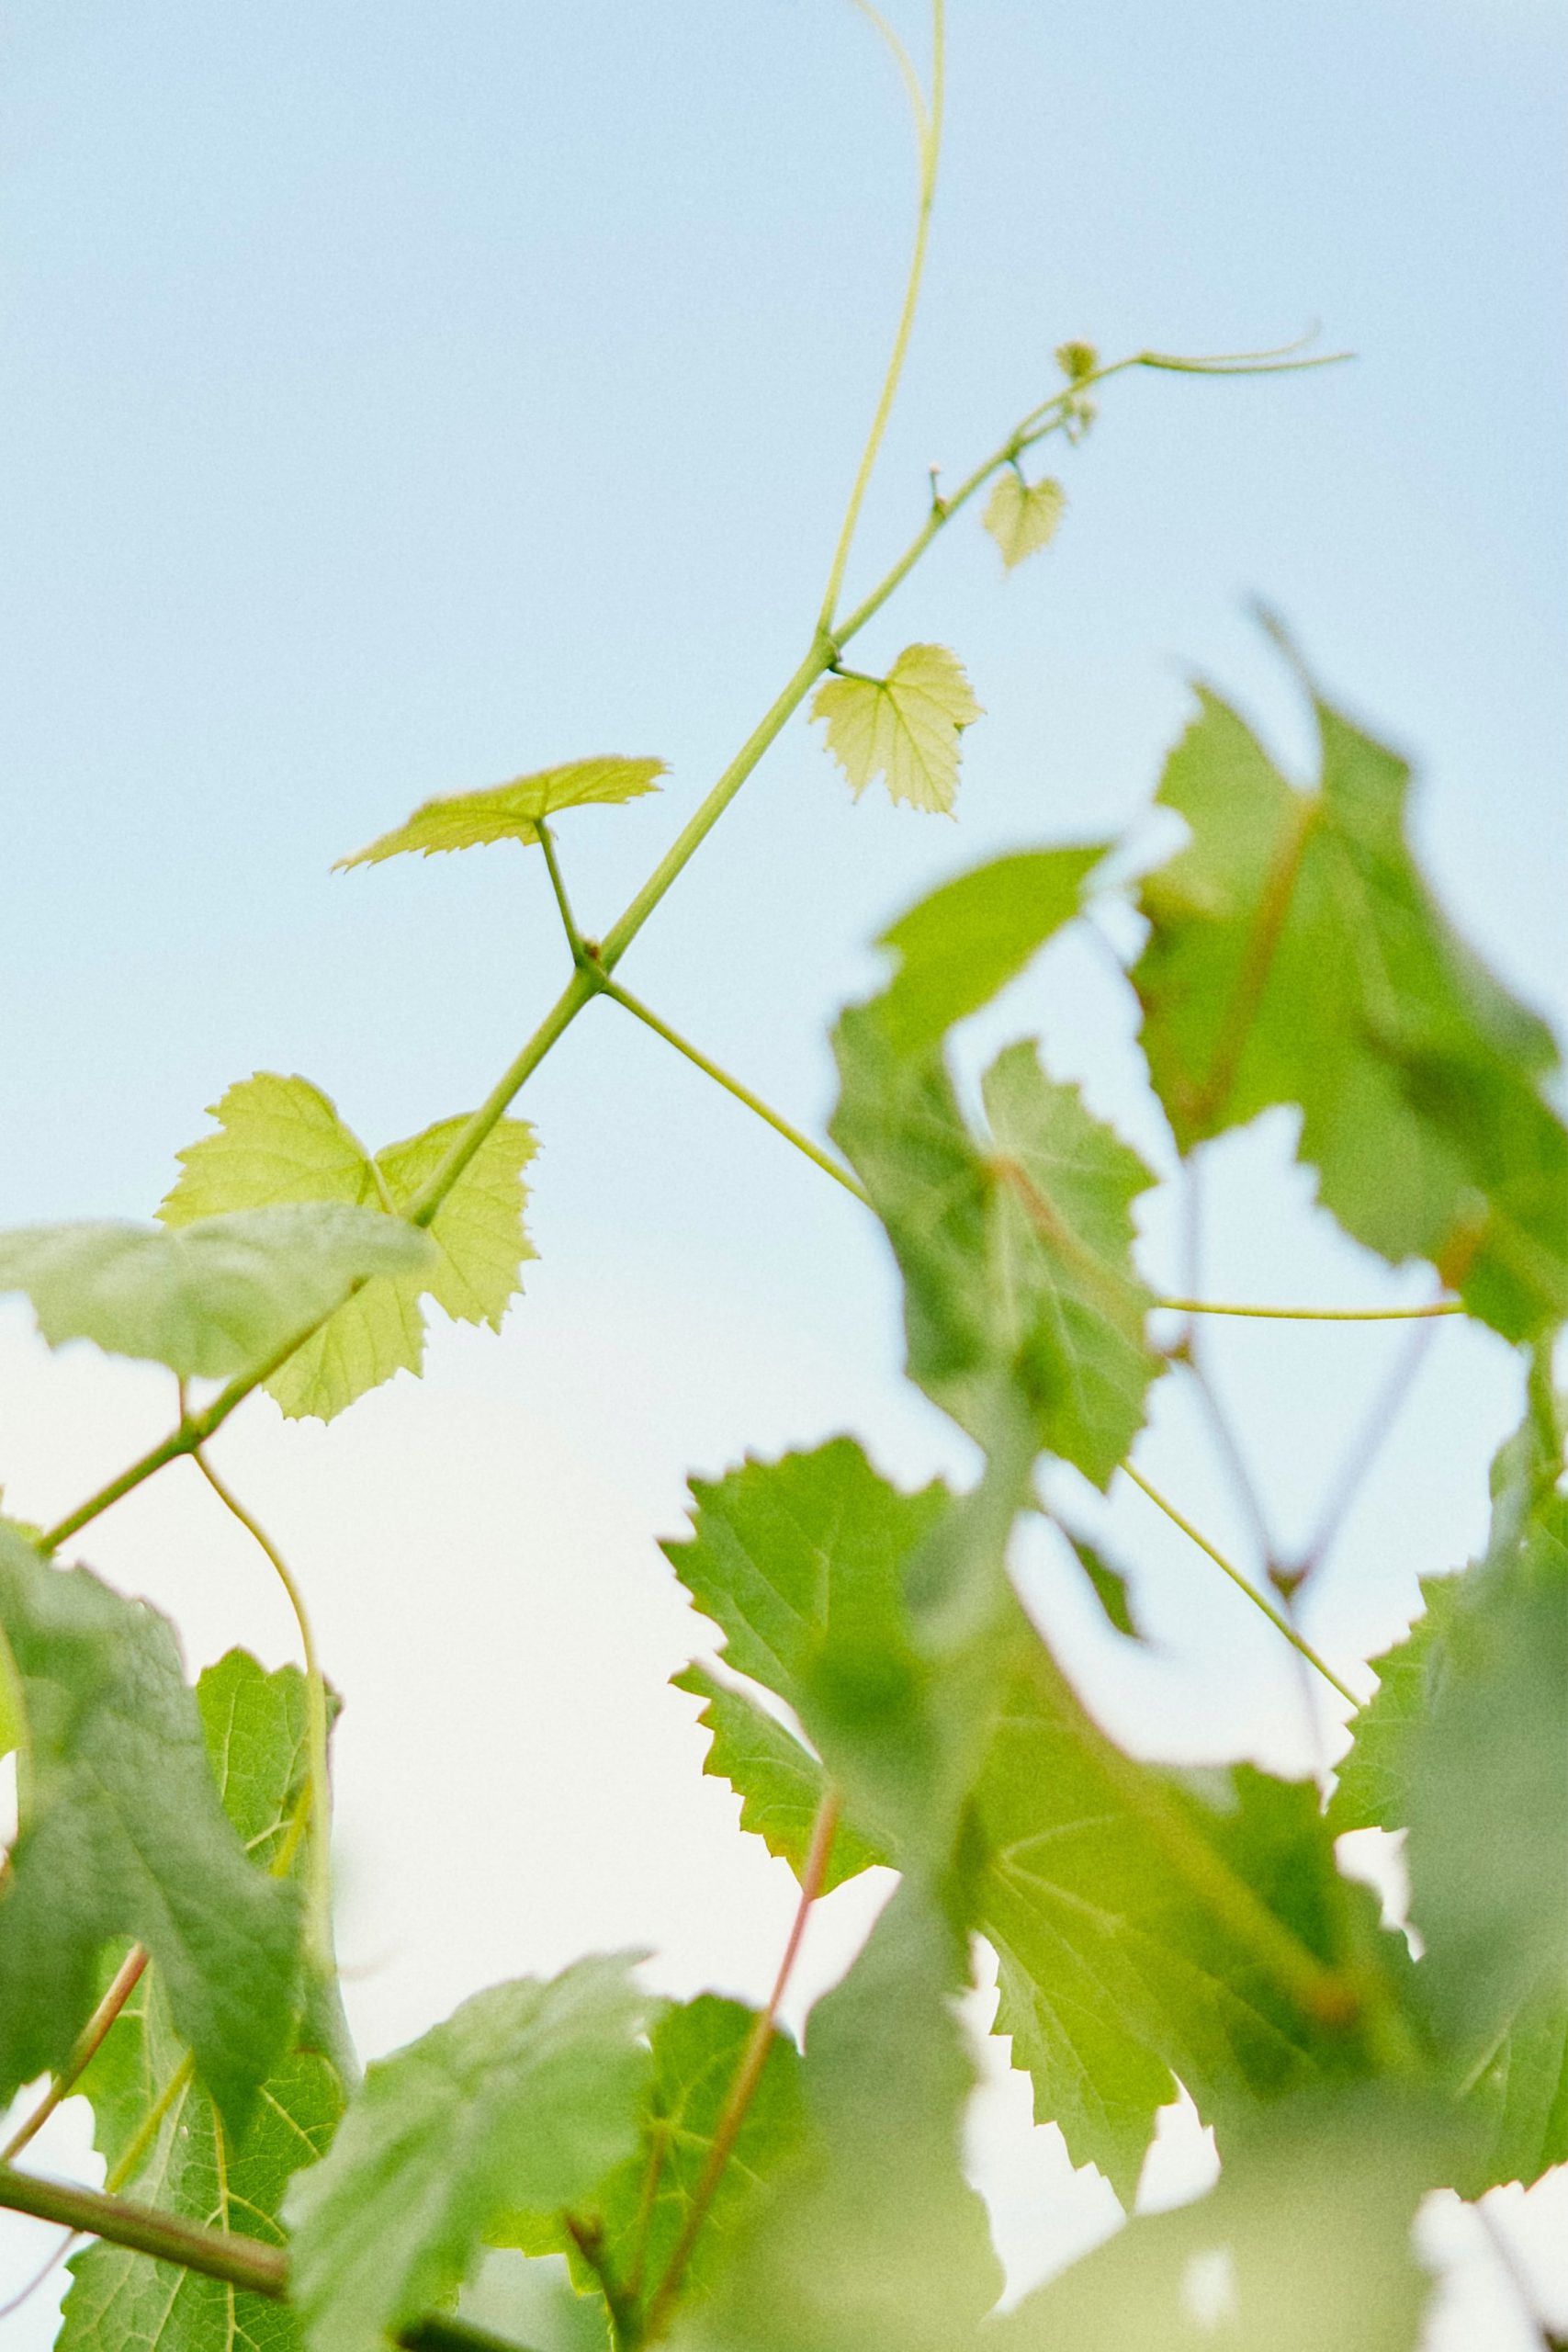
904, 727
1023, 516
511, 811
521, 2101
1118, 1974
1296, 956
779, 1781
123, 1837
1015, 1247
211, 1302
965, 941
281, 1139
638, 2214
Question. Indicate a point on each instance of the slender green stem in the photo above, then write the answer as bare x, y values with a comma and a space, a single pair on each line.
929, 129
89, 2041
319, 1882
584, 985
1317, 1314
748, 2072
1276, 1617
820, 659
779, 1125
558, 884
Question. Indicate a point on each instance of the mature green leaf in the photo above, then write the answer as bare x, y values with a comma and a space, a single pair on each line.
875, 2242
1117, 1971
1373, 1784
801, 1564
1488, 1797
157, 2129
255, 1726
1305, 2245
1462, 1745
780, 1782
965, 942
519, 2103
637, 2215
122, 1835
1296, 956
209, 1303
511, 811
1021, 516
905, 727
194, 2168
532, 2302
1016, 1248
281, 1139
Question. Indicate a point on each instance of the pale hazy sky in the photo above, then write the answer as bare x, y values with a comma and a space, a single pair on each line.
398, 397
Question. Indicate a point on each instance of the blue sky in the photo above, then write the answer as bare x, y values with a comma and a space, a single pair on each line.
397, 398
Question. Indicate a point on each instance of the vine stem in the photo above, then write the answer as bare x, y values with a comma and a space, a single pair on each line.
1317, 1314
710, 1069
1259, 1601
89, 2041
319, 1878
586, 980
748, 2072
928, 131
247, 2263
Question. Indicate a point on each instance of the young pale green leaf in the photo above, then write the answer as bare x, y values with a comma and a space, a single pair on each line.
1296, 956
213, 1302
1117, 1973
157, 2129
779, 1781
875, 2242
904, 727
1015, 1249
958, 947
511, 811
281, 1139
122, 1835
637, 2214
521, 2102
1021, 516
1305, 2245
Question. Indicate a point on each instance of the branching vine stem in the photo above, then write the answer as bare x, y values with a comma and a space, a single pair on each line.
779, 1125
